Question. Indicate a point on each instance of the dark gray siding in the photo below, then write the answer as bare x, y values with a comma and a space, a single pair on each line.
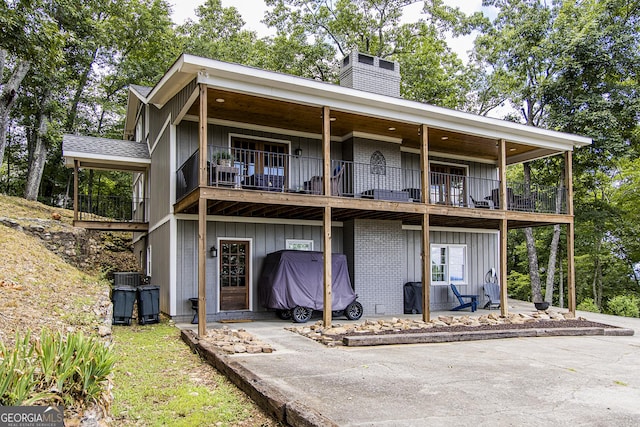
173, 107
482, 254
265, 238
159, 180
159, 240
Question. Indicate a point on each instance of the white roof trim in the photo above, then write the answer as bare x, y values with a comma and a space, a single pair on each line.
235, 77
102, 158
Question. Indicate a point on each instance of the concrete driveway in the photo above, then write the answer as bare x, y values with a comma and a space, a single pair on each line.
586, 381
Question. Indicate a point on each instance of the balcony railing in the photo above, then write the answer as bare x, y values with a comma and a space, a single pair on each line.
536, 198
271, 171
111, 208
460, 190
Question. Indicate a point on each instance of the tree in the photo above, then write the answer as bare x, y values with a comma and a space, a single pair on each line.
570, 67
102, 47
27, 36
430, 71
218, 34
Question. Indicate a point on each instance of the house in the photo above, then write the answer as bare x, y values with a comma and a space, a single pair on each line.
231, 163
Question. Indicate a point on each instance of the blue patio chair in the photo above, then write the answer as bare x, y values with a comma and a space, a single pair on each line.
473, 303
492, 292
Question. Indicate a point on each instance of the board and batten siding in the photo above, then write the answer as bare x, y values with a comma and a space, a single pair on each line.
265, 238
482, 254
160, 243
158, 117
159, 180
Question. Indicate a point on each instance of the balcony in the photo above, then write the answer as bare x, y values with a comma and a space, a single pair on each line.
111, 213
254, 170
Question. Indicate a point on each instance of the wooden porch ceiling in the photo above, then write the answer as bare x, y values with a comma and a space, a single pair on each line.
243, 108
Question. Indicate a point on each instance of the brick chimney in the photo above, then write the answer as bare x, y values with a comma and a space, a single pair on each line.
370, 73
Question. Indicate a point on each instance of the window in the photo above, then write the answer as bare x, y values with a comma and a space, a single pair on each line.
378, 163
149, 260
300, 245
448, 264
255, 156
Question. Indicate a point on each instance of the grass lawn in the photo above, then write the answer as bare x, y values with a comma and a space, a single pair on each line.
158, 381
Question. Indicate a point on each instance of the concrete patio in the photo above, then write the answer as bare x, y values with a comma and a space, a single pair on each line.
591, 380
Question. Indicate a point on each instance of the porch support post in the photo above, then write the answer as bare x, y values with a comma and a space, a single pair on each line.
571, 271
202, 216
424, 163
202, 177
326, 224
426, 270
502, 275
426, 247
326, 151
76, 170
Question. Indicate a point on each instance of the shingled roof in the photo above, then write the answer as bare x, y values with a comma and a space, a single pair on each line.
100, 152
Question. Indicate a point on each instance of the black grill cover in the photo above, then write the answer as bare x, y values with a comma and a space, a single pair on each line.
291, 278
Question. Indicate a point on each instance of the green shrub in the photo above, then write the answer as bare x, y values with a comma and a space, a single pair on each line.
73, 369
624, 305
519, 286
18, 374
588, 304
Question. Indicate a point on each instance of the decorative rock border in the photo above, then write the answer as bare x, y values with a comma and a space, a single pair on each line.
232, 341
453, 328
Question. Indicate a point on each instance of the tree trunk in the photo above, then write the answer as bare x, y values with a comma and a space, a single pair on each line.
82, 82
532, 253
560, 283
596, 284
8, 95
553, 249
534, 275
39, 157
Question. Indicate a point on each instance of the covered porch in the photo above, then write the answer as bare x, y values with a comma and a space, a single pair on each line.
99, 212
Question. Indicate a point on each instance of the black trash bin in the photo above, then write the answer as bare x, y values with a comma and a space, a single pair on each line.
123, 297
148, 304
413, 298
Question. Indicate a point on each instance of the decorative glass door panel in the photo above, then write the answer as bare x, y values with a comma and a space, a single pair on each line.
234, 275
448, 185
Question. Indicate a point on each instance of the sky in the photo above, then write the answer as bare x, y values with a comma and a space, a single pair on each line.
252, 12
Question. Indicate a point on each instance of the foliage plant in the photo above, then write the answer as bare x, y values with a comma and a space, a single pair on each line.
624, 305
588, 304
72, 370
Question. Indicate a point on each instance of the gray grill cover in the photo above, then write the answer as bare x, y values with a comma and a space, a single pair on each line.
291, 278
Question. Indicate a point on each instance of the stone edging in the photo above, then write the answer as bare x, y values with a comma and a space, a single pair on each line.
439, 337
268, 397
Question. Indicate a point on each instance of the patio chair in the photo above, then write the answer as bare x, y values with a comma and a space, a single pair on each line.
314, 185
492, 292
481, 204
473, 303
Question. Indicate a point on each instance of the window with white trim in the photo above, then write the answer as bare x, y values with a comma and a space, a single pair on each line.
448, 264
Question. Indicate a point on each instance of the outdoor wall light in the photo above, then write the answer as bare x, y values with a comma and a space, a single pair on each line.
298, 151
214, 252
